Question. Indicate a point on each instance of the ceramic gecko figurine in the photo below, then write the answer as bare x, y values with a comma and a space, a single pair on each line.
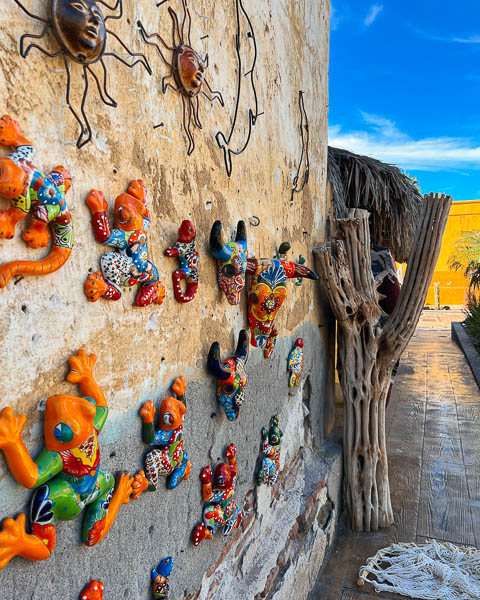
271, 439
160, 576
29, 190
220, 510
169, 460
295, 363
66, 473
93, 591
128, 264
187, 255
231, 260
231, 375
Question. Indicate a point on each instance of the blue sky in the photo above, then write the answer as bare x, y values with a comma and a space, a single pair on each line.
405, 88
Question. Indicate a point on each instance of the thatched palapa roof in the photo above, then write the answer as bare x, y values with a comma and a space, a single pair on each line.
389, 195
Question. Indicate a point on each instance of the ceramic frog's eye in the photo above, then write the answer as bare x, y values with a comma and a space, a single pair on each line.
168, 418
221, 480
63, 433
79, 26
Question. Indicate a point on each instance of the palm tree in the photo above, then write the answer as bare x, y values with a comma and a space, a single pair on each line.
466, 257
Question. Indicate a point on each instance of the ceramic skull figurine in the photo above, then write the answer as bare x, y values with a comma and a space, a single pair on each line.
231, 375
267, 290
231, 260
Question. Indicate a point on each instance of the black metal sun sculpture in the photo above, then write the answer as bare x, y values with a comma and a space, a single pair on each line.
80, 30
187, 70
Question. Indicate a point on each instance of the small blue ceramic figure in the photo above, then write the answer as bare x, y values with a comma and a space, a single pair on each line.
160, 577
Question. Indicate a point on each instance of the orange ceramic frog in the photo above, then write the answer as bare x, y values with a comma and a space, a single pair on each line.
67, 471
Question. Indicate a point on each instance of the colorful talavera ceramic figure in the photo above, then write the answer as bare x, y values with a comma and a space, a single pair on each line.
186, 70
82, 35
271, 439
231, 375
169, 460
220, 510
128, 264
295, 363
93, 591
231, 260
187, 255
160, 576
29, 190
67, 471
267, 290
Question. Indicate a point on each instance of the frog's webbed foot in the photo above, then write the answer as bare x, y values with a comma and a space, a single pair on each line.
95, 286
36, 235
140, 484
8, 219
15, 541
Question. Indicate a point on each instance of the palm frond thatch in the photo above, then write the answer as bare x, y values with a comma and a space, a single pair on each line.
392, 198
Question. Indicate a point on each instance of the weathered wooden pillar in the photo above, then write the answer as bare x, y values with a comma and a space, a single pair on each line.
370, 343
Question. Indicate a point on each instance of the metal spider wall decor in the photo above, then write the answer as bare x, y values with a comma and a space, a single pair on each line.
304, 157
81, 32
187, 70
225, 141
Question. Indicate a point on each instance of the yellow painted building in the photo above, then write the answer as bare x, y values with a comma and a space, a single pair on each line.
464, 216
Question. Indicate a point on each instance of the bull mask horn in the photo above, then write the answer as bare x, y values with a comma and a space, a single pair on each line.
214, 364
242, 345
217, 245
241, 233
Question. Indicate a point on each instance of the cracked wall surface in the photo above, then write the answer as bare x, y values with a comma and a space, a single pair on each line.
141, 350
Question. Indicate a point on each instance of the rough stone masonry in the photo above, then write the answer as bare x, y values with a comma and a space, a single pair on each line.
286, 530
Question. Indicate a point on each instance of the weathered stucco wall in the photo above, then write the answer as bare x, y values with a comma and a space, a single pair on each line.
140, 351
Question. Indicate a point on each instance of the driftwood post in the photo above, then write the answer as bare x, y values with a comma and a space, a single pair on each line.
369, 345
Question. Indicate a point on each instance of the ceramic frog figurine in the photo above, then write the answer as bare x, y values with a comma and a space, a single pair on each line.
66, 473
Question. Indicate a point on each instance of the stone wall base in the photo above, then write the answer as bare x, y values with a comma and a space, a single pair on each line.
285, 535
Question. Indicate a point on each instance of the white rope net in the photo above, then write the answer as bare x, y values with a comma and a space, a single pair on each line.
433, 571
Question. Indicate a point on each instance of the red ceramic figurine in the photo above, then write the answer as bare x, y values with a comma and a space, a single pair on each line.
220, 510
128, 264
93, 591
185, 251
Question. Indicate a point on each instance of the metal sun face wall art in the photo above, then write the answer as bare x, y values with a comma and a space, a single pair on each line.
267, 290
169, 460
160, 575
128, 264
218, 491
231, 376
29, 190
66, 473
187, 255
81, 32
271, 440
231, 260
187, 70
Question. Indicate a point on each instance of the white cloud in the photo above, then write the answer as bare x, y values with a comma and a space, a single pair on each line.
373, 13
383, 140
473, 39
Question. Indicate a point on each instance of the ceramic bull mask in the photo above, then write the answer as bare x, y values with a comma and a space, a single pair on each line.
267, 290
231, 375
231, 260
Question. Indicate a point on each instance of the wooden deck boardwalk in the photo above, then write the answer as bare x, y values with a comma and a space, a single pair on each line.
433, 428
